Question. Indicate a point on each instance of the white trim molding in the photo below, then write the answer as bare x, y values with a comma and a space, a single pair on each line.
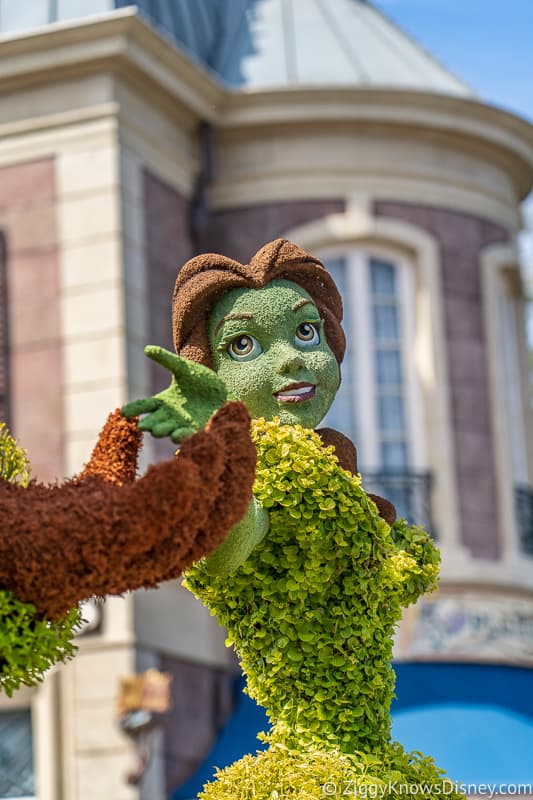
290, 144
122, 40
358, 228
465, 121
499, 269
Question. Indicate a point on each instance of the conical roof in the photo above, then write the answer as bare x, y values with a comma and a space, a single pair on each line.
260, 44
272, 43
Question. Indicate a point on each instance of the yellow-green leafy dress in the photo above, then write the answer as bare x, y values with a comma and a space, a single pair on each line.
312, 613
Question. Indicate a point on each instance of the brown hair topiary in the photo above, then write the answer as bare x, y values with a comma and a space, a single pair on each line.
203, 280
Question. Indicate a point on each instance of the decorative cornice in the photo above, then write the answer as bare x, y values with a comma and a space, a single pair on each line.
467, 122
118, 41
123, 45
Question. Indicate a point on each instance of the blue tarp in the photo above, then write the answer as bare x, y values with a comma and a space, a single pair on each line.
475, 720
474, 744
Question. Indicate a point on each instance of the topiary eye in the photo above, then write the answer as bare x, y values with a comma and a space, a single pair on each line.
307, 333
244, 348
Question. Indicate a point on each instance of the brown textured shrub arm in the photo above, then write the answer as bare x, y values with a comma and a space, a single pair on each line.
94, 536
220, 503
114, 457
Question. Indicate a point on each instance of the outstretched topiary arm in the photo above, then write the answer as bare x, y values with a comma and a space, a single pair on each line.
60, 544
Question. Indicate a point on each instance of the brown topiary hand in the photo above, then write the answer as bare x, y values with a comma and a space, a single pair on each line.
106, 533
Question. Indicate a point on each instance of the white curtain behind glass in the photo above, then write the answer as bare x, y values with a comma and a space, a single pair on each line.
342, 415
386, 336
512, 386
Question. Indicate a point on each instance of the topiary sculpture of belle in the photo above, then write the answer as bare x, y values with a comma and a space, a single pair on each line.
311, 583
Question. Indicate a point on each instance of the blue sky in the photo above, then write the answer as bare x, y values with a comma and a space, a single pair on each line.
487, 43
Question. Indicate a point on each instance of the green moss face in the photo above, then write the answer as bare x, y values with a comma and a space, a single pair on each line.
269, 348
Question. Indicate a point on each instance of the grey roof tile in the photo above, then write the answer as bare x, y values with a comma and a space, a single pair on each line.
261, 44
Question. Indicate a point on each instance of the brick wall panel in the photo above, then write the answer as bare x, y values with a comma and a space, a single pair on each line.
168, 247
239, 233
28, 218
26, 184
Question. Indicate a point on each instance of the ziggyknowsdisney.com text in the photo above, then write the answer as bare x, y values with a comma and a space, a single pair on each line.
379, 791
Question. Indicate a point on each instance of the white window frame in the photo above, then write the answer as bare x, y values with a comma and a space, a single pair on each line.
500, 273
510, 322
357, 260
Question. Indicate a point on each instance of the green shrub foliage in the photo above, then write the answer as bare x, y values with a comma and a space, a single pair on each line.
280, 773
312, 614
28, 645
14, 463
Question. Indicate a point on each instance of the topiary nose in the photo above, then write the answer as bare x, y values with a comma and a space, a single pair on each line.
289, 360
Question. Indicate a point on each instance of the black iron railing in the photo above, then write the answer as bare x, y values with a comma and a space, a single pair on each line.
524, 517
409, 491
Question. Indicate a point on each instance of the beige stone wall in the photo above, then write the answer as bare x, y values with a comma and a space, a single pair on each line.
92, 287
73, 127
96, 756
416, 147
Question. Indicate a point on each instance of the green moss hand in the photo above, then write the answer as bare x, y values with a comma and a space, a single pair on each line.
194, 394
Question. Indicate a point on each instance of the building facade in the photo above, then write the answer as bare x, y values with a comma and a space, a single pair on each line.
129, 141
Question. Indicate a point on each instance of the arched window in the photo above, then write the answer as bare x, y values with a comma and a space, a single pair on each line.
4, 336
379, 404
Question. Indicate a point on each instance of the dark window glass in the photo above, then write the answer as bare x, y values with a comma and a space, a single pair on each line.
17, 777
391, 416
394, 455
388, 367
386, 326
383, 277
